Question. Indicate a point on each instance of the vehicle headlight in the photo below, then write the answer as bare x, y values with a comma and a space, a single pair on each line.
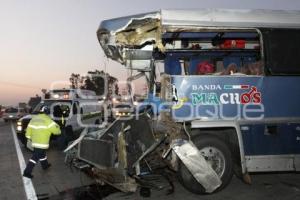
19, 128
19, 123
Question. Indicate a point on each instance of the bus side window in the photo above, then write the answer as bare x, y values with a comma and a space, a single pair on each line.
282, 51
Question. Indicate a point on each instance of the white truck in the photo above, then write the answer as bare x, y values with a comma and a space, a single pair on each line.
72, 109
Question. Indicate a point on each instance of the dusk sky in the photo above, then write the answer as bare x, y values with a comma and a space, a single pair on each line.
43, 41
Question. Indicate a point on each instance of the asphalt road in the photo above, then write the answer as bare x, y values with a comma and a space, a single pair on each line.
264, 187
11, 185
59, 182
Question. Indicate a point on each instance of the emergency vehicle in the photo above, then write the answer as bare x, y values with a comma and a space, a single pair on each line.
228, 79
72, 109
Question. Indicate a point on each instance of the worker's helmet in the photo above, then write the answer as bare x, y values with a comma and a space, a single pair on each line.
44, 109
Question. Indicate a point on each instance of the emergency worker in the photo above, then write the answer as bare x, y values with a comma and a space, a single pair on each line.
39, 131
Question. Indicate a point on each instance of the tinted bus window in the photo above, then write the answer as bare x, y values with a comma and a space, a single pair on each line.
282, 51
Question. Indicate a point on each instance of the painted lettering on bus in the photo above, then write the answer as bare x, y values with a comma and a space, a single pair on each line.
212, 98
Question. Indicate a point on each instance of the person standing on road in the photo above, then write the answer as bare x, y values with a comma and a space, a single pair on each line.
39, 131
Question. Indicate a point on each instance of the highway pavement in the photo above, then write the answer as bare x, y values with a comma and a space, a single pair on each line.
61, 182
57, 182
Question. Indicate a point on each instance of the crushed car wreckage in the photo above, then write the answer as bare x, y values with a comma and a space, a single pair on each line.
128, 152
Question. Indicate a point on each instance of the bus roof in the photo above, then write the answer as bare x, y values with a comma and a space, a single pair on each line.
212, 17
231, 18
135, 30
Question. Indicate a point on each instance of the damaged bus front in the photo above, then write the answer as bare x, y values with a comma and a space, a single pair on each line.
223, 95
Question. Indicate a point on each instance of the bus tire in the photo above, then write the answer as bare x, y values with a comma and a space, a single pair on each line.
214, 150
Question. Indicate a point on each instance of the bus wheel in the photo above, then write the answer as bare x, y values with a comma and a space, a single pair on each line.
217, 154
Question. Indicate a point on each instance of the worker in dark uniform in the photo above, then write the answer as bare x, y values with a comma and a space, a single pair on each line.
39, 131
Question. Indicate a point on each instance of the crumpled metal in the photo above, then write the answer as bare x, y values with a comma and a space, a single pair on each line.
191, 157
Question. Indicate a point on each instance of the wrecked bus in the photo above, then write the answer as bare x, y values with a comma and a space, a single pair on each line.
224, 93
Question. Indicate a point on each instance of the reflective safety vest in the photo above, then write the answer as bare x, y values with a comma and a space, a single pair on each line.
40, 129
